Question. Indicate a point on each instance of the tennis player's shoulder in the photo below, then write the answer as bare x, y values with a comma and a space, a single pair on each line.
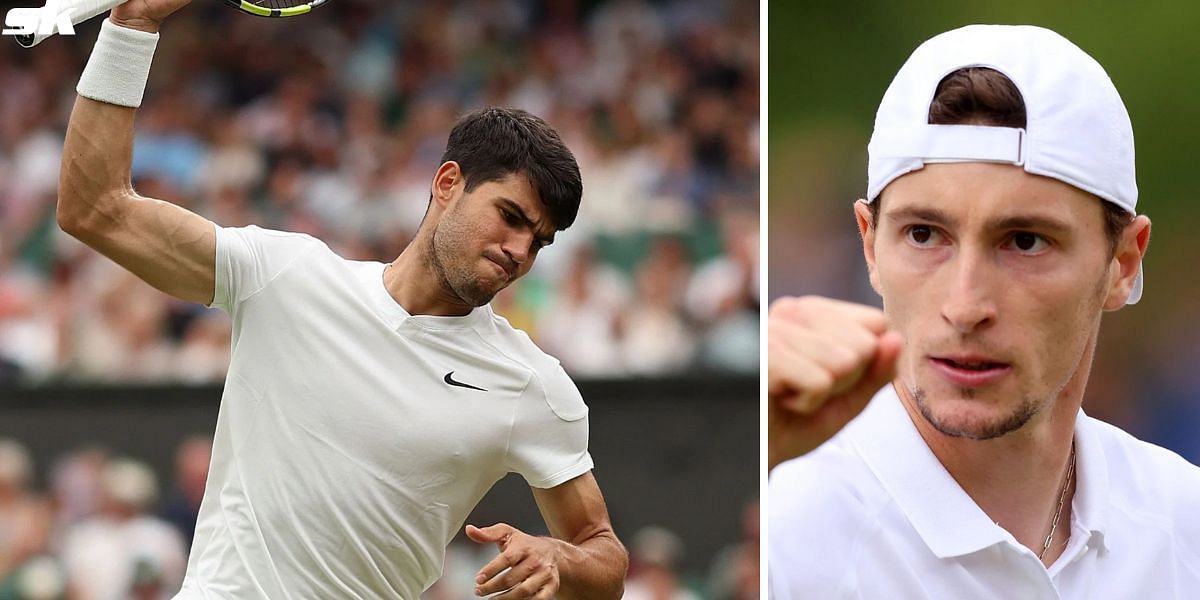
1150, 480
822, 508
547, 373
831, 480
274, 241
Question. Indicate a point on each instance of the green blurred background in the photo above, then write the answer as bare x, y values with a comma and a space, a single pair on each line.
829, 64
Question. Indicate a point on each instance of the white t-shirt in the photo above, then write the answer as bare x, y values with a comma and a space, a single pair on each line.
344, 460
874, 514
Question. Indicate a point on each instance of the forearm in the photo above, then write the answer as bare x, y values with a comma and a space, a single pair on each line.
163, 244
97, 155
593, 569
94, 182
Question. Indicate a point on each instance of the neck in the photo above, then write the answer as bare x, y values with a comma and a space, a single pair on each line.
1018, 478
415, 284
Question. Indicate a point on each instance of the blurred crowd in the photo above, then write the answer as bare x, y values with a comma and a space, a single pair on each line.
103, 529
333, 123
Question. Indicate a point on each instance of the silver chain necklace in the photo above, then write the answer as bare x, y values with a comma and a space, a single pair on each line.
1062, 496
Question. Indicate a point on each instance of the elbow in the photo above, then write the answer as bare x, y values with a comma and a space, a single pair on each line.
66, 213
81, 216
67, 221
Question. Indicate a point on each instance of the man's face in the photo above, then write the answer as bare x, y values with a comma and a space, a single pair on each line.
996, 280
489, 237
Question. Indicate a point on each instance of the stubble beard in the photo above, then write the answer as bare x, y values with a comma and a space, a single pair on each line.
444, 253
1024, 412
992, 429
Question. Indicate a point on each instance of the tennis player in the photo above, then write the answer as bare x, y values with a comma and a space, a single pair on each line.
368, 407
999, 225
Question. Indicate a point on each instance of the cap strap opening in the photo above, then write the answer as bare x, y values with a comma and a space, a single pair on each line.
951, 143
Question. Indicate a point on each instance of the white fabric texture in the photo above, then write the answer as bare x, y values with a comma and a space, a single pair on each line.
1077, 129
119, 66
873, 514
343, 463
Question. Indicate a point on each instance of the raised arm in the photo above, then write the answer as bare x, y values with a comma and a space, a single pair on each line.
164, 244
584, 559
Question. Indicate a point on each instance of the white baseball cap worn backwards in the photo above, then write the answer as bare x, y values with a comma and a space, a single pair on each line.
1077, 129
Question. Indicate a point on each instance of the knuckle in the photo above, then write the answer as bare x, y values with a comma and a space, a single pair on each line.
863, 341
797, 309
843, 361
819, 384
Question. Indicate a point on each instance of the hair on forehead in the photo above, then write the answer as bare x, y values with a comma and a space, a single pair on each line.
490, 144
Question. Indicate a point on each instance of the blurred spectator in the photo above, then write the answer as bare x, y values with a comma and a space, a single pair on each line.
124, 552
654, 338
191, 472
579, 327
335, 128
653, 554
203, 354
76, 482
24, 516
41, 578
724, 293
735, 571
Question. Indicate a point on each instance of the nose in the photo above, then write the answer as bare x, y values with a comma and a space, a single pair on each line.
518, 246
969, 304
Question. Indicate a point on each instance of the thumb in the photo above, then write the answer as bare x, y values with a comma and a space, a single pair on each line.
487, 535
883, 368
880, 373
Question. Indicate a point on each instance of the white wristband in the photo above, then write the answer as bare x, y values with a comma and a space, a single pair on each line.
117, 71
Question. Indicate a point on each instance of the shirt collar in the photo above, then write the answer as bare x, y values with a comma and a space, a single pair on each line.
1089, 507
946, 518
395, 315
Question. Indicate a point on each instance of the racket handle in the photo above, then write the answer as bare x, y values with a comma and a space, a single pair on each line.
79, 11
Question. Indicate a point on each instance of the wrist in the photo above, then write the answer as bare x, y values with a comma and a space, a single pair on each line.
119, 66
140, 24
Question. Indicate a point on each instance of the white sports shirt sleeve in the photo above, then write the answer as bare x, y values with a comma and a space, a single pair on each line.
248, 258
554, 438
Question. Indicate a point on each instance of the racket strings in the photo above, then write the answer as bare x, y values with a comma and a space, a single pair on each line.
281, 3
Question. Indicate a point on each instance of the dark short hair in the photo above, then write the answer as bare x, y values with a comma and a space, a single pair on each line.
983, 96
492, 143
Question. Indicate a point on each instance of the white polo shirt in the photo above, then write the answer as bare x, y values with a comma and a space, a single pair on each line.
353, 438
873, 514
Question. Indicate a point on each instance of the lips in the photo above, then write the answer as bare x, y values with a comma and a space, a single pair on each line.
508, 271
969, 370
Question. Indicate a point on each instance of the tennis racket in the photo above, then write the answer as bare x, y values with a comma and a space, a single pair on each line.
82, 10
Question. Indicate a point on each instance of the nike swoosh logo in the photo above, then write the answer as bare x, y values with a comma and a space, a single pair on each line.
450, 380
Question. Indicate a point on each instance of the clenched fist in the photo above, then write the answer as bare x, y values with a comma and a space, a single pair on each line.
825, 360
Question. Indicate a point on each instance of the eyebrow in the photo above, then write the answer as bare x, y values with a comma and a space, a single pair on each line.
940, 217
516, 208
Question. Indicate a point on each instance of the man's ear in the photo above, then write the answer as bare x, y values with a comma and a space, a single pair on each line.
446, 182
1126, 261
862, 213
